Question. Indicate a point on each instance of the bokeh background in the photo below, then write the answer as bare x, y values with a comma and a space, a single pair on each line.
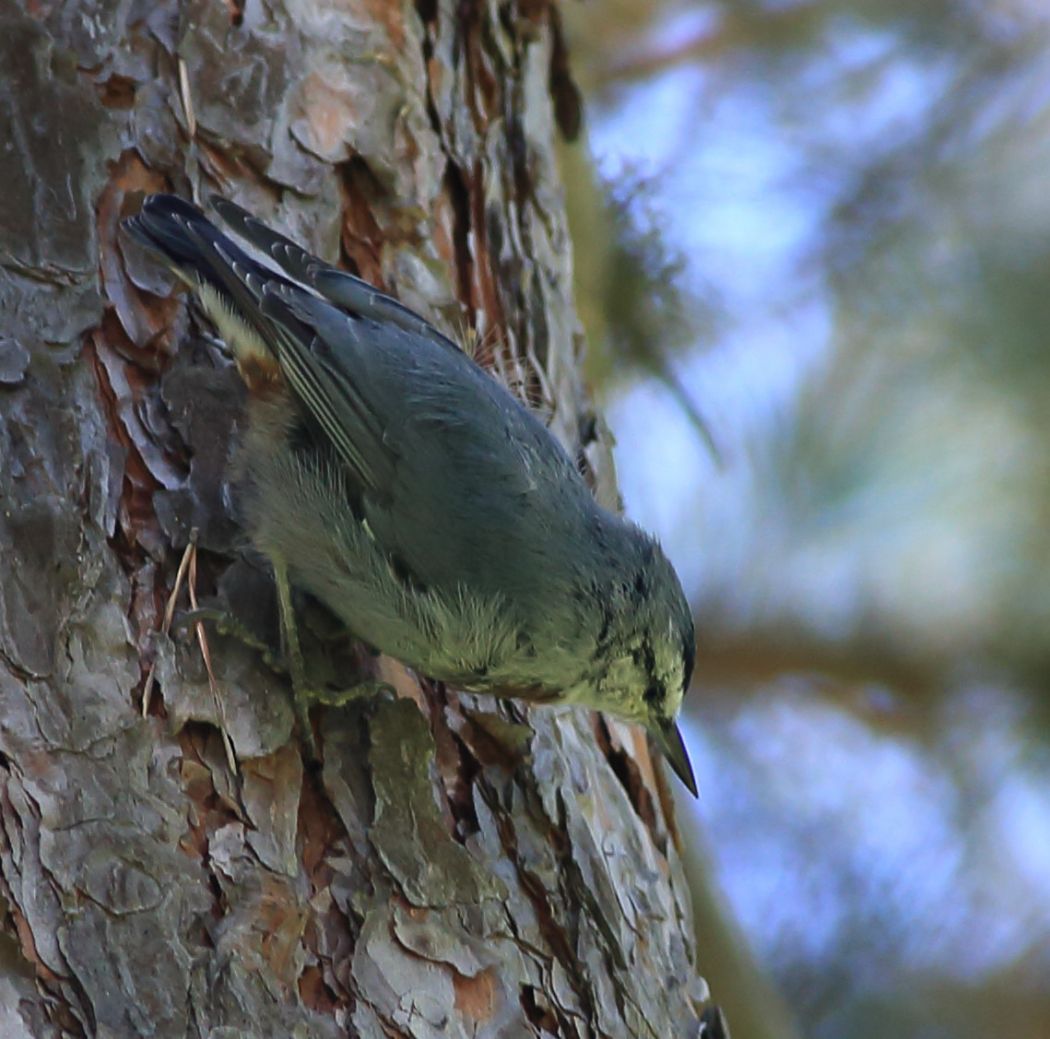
813, 250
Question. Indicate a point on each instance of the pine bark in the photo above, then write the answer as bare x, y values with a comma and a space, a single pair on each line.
453, 867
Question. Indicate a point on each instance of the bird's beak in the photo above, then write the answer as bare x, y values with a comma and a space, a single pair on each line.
669, 739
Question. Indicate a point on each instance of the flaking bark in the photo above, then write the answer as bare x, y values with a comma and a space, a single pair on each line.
454, 868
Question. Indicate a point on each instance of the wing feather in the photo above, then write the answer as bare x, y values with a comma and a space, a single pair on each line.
329, 393
339, 287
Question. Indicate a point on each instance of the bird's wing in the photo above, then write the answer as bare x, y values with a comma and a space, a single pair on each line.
277, 322
315, 346
454, 476
339, 287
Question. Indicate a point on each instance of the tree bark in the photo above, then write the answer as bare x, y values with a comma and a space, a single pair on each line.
454, 867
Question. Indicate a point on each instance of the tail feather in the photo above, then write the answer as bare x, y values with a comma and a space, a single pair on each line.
171, 227
292, 258
230, 283
193, 245
202, 255
345, 290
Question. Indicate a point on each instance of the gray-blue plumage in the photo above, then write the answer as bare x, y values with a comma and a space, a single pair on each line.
393, 478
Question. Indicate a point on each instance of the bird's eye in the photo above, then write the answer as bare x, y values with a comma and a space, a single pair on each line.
654, 694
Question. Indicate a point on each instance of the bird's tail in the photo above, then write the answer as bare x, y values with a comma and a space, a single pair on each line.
230, 283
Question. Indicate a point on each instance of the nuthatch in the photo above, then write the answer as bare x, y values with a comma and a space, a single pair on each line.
387, 474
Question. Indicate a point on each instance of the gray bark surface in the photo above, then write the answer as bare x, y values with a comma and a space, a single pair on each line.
455, 867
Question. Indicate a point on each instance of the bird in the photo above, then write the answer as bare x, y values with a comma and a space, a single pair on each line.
387, 474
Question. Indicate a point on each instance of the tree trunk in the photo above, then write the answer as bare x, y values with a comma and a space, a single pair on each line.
455, 867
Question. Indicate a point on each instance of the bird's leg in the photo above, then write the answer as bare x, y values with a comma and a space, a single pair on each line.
291, 660
367, 688
293, 653
227, 624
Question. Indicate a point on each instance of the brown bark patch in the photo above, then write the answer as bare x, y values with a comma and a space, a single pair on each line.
328, 114
117, 92
388, 15
476, 996
362, 237
315, 993
143, 318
